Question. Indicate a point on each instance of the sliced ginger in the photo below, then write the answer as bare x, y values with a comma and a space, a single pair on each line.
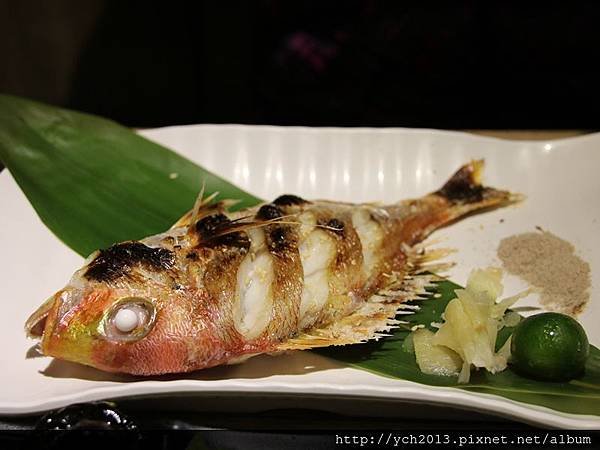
467, 337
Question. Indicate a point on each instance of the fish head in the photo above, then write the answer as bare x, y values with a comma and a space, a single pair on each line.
129, 310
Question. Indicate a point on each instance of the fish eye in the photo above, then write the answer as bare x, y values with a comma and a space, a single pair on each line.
129, 319
126, 320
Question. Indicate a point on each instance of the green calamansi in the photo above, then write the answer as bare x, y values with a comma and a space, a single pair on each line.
549, 346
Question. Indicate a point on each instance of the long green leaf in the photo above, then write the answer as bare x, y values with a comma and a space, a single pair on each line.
94, 182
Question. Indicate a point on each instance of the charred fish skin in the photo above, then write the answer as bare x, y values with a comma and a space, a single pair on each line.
222, 286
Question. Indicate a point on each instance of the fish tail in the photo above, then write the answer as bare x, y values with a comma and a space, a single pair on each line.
465, 192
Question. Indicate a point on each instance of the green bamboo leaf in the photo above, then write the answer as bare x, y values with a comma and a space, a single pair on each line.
94, 182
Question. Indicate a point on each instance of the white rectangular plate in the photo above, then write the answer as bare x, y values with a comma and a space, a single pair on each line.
559, 178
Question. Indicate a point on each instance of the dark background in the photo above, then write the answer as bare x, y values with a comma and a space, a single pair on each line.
494, 65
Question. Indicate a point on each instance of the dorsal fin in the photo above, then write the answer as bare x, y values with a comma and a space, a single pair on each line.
203, 207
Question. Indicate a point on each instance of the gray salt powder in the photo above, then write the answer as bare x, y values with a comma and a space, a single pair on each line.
548, 263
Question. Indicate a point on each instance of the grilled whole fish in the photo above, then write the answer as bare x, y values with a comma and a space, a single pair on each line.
220, 286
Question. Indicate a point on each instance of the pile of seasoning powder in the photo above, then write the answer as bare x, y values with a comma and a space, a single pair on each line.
550, 264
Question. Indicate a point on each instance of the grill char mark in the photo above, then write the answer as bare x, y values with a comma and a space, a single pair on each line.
279, 237
208, 229
118, 260
209, 225
463, 187
288, 200
336, 226
269, 212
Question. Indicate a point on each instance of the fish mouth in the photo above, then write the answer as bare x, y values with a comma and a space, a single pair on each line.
36, 323
46, 326
51, 312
